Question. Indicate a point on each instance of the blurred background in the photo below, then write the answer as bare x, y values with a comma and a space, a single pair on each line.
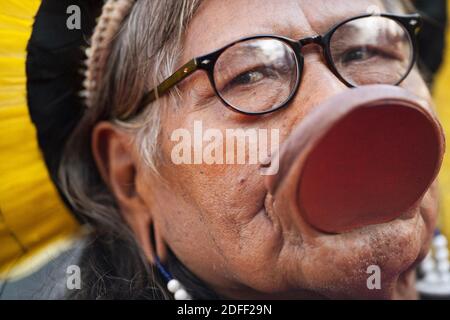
39, 237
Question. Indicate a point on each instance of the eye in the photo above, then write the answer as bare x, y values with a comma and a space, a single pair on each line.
360, 54
357, 54
251, 77
247, 78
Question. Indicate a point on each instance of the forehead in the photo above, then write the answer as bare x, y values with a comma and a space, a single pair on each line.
219, 22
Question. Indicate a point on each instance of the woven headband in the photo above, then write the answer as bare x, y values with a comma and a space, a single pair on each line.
109, 22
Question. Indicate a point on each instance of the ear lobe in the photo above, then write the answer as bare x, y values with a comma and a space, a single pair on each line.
160, 246
116, 161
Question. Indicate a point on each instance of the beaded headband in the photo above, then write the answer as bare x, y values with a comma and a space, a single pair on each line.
109, 22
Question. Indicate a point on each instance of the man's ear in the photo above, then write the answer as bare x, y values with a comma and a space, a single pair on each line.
118, 164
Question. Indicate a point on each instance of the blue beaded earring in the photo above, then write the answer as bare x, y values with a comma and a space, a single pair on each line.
173, 285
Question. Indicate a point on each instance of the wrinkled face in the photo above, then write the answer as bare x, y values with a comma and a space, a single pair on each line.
218, 218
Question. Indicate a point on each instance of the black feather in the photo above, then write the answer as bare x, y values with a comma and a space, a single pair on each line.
55, 57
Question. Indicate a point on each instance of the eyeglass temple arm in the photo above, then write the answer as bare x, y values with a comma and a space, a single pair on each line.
178, 76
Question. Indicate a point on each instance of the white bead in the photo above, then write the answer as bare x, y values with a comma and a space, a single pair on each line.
431, 277
182, 295
445, 277
441, 254
427, 265
443, 266
83, 94
173, 285
440, 241
86, 83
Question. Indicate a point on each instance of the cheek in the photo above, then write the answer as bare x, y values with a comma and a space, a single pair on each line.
225, 195
229, 192
429, 209
217, 208
416, 84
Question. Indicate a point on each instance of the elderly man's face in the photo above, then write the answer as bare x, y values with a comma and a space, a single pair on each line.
214, 217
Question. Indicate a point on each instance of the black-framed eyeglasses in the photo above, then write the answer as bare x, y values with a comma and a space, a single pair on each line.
261, 74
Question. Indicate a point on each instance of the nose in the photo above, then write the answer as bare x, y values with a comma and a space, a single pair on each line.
318, 82
364, 156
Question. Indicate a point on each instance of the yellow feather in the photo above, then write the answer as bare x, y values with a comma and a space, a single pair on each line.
442, 98
34, 224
